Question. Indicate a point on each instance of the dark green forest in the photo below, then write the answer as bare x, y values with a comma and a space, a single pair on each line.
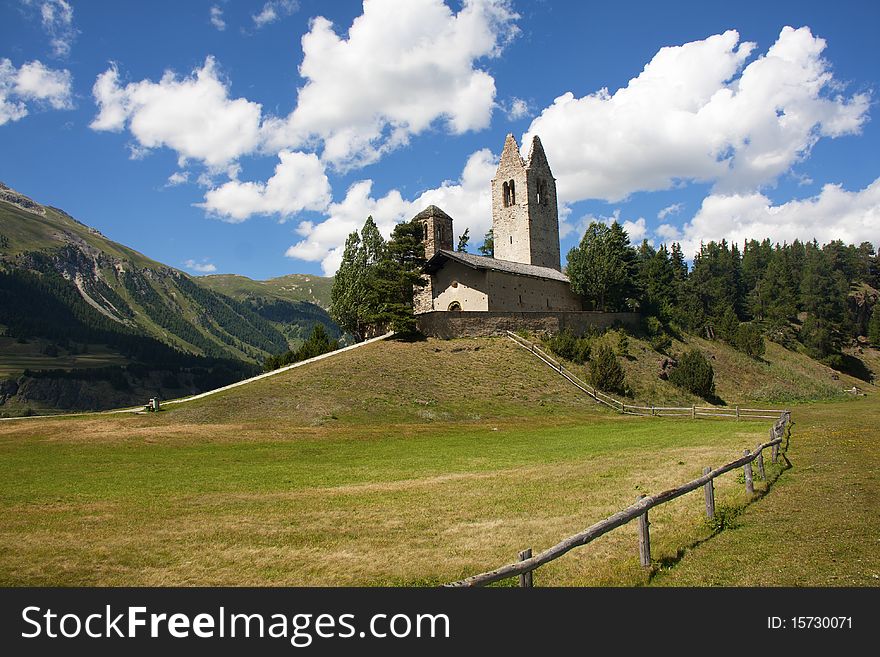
805, 296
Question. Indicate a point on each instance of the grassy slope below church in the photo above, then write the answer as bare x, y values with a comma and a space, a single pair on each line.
397, 463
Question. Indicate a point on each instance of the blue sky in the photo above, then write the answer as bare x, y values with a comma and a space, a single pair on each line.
251, 137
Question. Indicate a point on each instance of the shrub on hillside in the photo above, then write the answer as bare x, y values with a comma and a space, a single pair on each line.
749, 340
566, 346
605, 372
694, 373
623, 345
657, 335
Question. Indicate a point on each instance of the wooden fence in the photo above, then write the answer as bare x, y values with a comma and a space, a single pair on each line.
527, 563
693, 411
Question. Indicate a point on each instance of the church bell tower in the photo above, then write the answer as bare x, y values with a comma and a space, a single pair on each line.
525, 217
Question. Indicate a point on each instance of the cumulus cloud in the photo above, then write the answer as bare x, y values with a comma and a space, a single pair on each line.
203, 267
56, 17
517, 109
400, 68
216, 18
833, 214
193, 115
33, 83
177, 178
467, 200
673, 209
274, 10
298, 183
697, 112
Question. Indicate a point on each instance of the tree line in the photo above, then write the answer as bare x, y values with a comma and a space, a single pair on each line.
798, 293
374, 286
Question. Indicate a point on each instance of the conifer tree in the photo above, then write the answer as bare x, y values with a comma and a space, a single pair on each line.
602, 267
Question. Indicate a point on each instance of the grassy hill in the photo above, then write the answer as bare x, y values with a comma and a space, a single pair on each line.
398, 463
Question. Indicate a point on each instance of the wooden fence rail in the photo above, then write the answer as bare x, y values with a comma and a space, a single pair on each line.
528, 563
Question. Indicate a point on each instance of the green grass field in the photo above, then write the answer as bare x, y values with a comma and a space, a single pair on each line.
416, 464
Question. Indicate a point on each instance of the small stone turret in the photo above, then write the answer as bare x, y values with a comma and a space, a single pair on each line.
436, 230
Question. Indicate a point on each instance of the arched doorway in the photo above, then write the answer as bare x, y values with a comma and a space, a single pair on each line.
454, 306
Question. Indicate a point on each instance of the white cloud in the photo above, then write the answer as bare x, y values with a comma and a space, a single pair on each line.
203, 267
193, 115
517, 109
636, 230
32, 83
668, 233
299, 183
468, 201
56, 17
177, 178
217, 17
675, 208
833, 214
400, 68
273, 10
698, 112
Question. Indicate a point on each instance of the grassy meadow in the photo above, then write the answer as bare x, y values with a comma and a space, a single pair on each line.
407, 464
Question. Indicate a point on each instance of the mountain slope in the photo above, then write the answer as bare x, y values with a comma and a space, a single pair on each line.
44, 251
96, 324
293, 304
292, 287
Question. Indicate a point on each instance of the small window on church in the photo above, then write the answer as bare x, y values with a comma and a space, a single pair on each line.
542, 192
454, 306
427, 235
511, 239
505, 192
454, 283
512, 193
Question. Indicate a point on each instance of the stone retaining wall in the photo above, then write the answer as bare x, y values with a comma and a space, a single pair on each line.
474, 324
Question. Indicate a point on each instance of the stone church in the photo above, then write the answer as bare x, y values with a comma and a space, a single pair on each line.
523, 285
525, 274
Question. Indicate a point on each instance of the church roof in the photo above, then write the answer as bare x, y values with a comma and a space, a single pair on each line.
483, 262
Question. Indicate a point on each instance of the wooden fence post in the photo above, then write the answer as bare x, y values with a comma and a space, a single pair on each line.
747, 469
694, 412
737, 413
760, 462
526, 578
644, 538
709, 489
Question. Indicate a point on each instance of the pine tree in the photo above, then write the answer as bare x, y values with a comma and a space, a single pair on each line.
823, 296
602, 267
349, 287
605, 372
488, 246
874, 326
774, 299
395, 278
463, 241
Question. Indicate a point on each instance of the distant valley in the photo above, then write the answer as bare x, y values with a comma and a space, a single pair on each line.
88, 323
